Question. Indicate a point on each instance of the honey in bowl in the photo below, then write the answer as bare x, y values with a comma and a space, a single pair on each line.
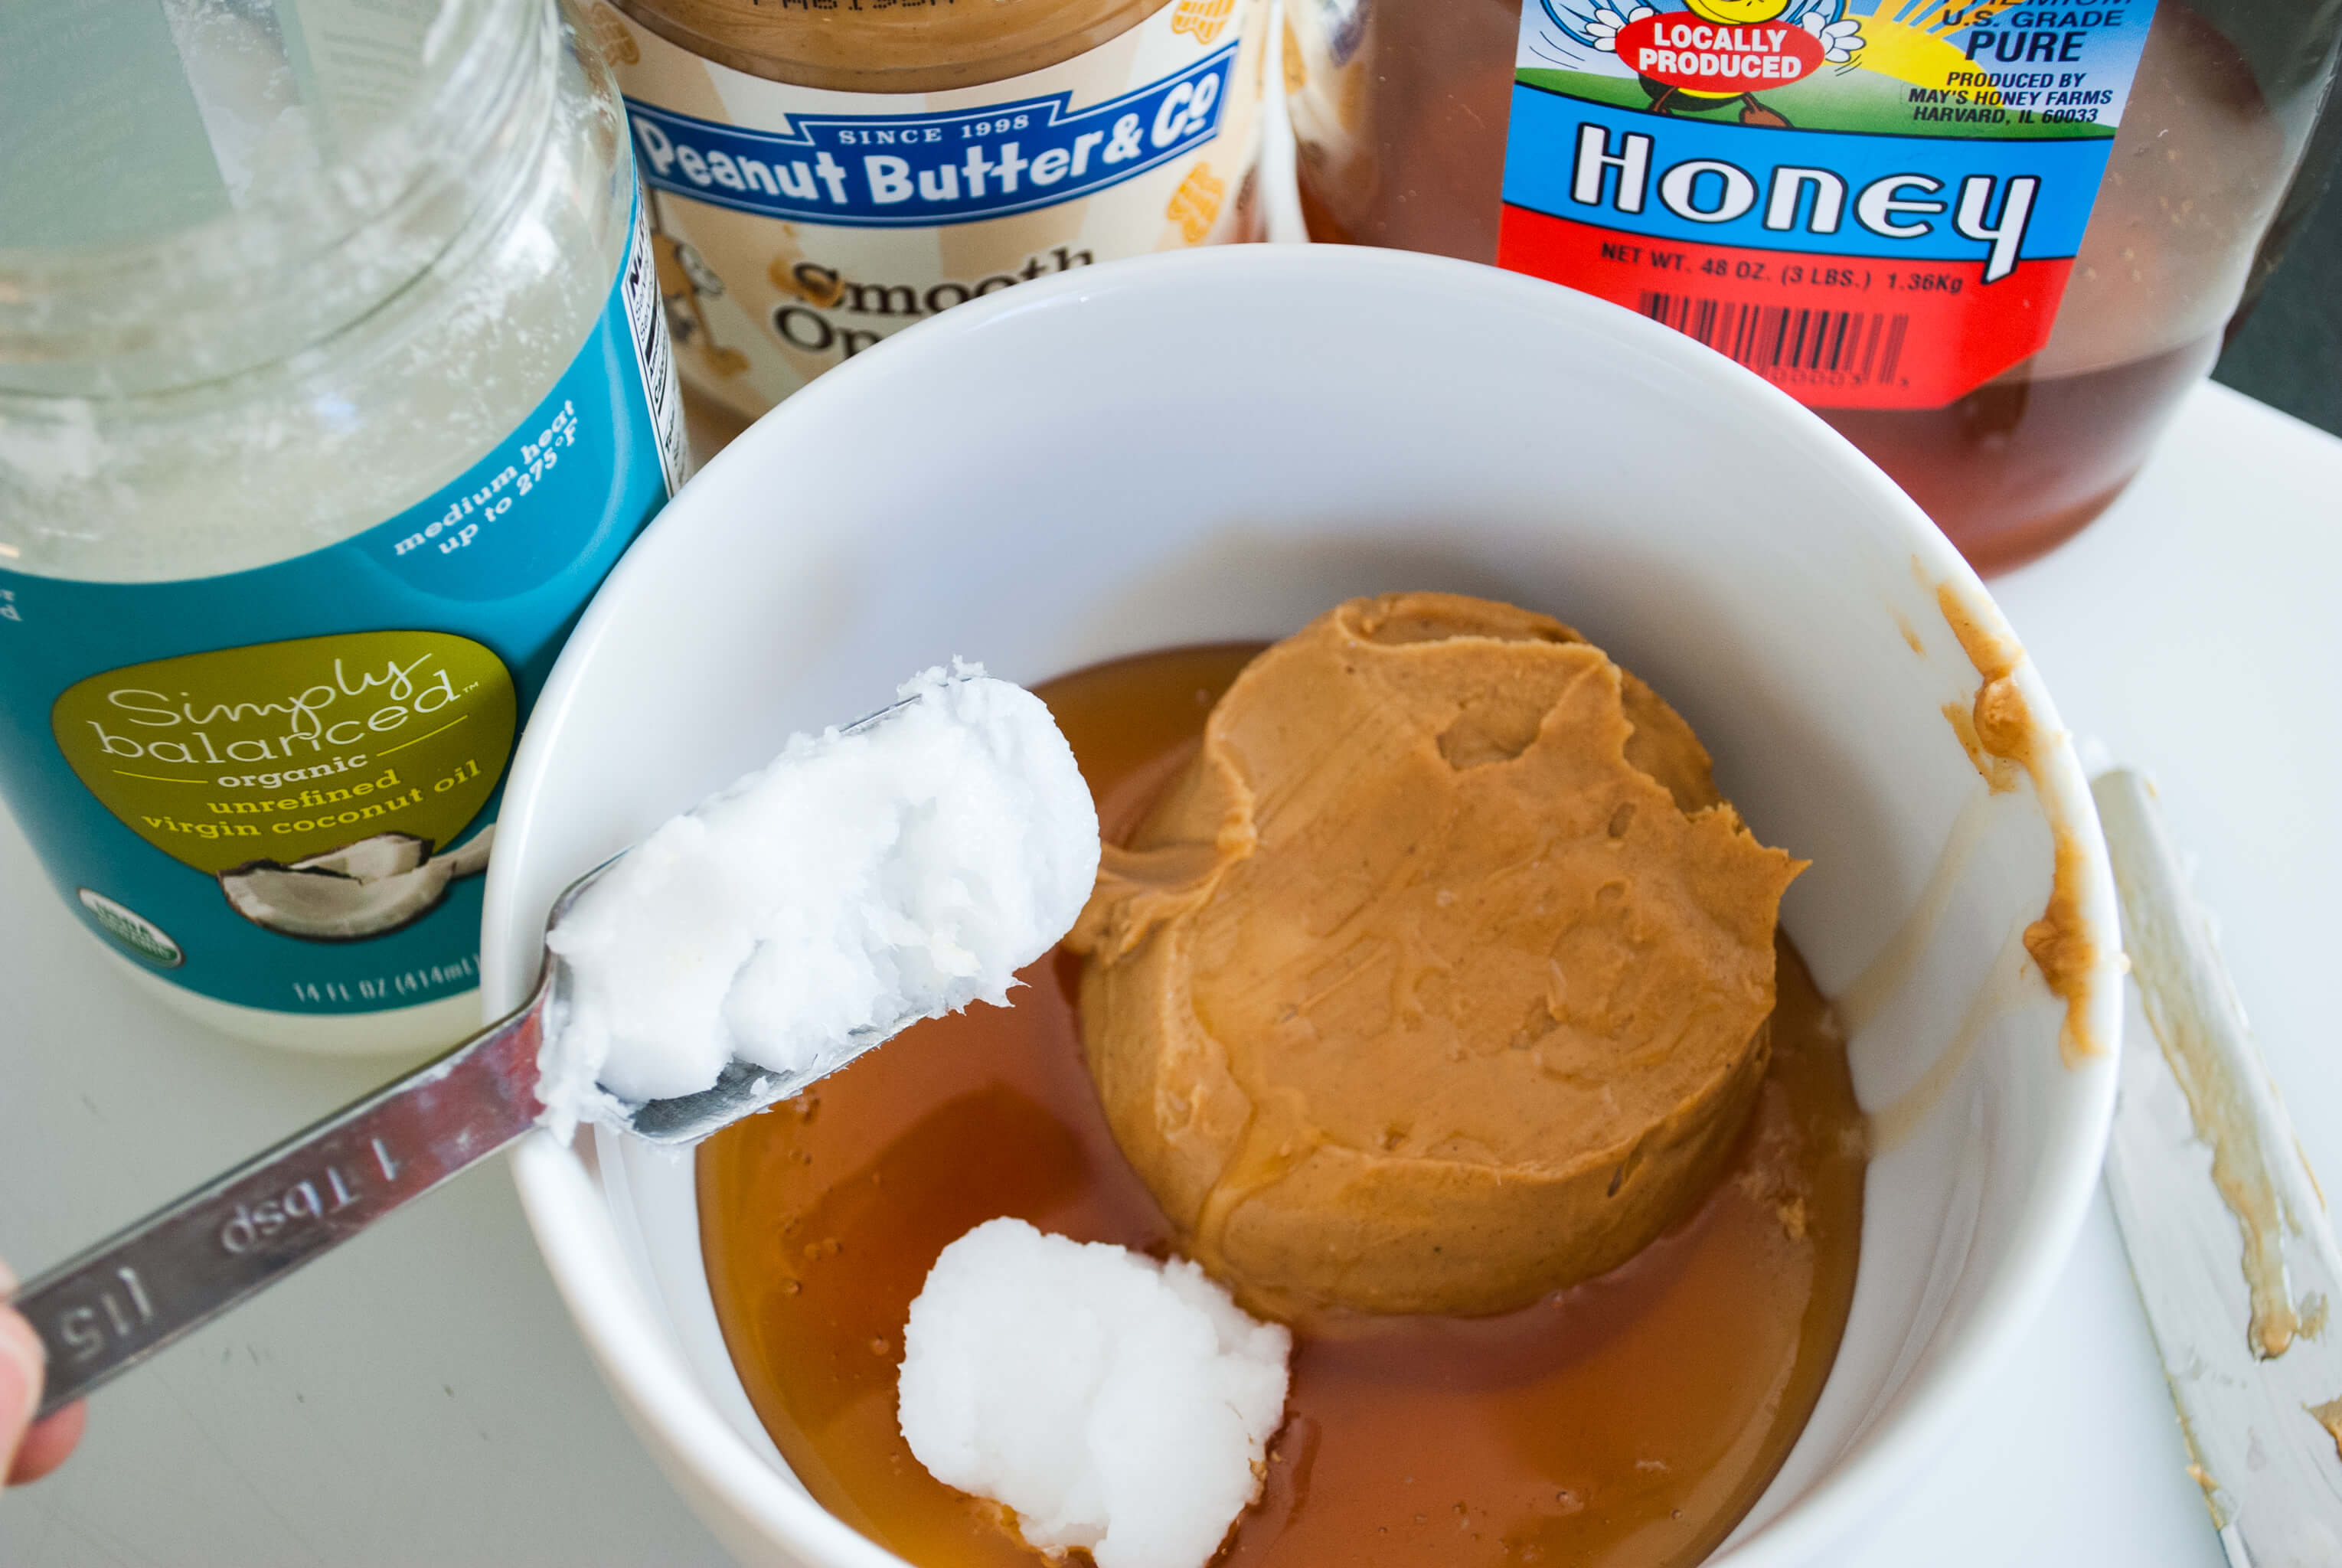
1630, 1420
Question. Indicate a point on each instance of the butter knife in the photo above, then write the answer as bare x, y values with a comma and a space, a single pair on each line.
2227, 1231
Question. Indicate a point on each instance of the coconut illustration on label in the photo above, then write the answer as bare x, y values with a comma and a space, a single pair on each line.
313, 778
368, 888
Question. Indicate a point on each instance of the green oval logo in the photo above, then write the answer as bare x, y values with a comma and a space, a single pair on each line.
306, 773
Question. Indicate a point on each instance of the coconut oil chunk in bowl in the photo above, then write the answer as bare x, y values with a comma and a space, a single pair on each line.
1113, 1403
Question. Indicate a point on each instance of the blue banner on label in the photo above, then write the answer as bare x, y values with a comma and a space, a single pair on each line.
884, 171
1675, 177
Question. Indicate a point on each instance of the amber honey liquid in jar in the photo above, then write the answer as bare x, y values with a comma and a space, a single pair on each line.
1626, 1422
824, 173
1993, 242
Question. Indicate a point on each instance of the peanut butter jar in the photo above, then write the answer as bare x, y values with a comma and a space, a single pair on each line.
822, 174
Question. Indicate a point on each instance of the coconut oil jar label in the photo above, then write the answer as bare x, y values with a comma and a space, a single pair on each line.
278, 788
799, 226
316, 779
1873, 204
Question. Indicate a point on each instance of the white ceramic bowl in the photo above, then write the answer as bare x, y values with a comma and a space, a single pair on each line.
1219, 445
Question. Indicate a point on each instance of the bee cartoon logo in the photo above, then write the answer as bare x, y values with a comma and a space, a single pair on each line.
1698, 56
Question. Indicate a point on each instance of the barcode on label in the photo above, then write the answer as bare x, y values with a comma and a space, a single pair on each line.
1855, 347
653, 354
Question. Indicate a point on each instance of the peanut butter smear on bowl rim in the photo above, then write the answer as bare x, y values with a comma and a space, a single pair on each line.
1998, 732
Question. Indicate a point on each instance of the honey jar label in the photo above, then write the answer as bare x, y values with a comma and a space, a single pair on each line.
799, 226
279, 787
1872, 203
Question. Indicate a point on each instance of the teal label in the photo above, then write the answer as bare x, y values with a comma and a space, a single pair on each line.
279, 787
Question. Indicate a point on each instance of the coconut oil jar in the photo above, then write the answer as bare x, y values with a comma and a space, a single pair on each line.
333, 380
824, 173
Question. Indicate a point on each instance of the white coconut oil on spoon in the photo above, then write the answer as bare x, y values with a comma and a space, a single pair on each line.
866, 879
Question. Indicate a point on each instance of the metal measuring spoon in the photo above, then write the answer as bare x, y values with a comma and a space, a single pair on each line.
129, 1296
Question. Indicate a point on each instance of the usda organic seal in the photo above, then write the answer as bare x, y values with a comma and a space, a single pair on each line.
133, 931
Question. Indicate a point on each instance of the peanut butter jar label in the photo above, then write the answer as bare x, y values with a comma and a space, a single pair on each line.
1873, 204
797, 226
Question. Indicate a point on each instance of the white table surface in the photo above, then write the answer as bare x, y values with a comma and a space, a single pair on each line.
420, 1397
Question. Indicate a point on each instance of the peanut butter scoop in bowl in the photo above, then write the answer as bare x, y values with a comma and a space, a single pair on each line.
1441, 978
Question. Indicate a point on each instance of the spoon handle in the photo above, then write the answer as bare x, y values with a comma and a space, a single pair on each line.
182, 1265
